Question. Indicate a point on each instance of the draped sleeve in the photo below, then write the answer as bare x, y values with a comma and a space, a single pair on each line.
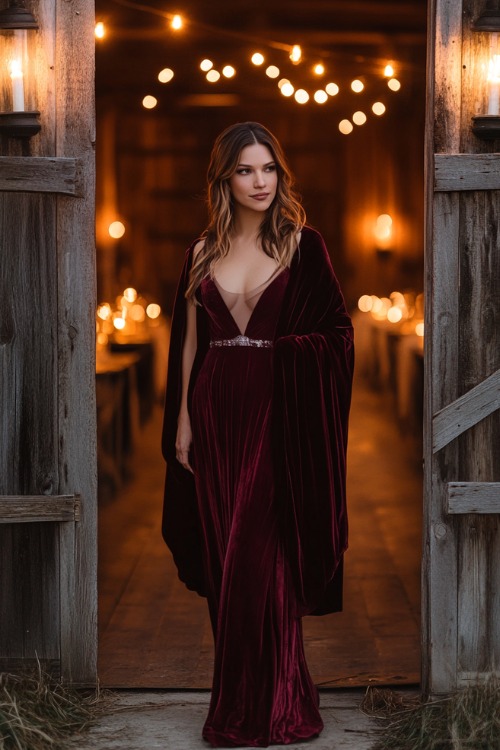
180, 523
313, 363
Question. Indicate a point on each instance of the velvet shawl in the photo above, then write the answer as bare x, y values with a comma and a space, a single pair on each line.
313, 366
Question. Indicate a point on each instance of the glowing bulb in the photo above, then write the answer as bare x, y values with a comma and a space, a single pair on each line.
419, 329
282, 82
130, 294
346, 127
388, 71
228, 71
100, 30
257, 58
153, 310
378, 108
165, 75
365, 303
272, 71
394, 314
301, 96
119, 323
319, 69
177, 22
149, 102
287, 89
138, 313
359, 118
383, 230
357, 86
104, 311
213, 76
206, 64
394, 84
116, 229
332, 89
296, 54
320, 96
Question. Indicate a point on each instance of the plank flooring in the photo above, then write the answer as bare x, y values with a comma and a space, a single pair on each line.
154, 633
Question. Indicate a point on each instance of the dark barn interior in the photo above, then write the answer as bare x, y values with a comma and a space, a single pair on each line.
363, 190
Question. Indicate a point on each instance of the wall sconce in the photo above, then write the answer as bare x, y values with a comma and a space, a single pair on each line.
383, 235
488, 125
18, 118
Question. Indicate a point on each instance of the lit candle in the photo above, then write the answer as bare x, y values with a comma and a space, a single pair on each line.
494, 77
16, 75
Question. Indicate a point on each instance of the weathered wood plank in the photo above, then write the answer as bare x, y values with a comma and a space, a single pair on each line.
474, 497
39, 174
466, 411
466, 172
33, 508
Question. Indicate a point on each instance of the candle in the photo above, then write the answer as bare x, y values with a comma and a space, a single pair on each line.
494, 77
16, 75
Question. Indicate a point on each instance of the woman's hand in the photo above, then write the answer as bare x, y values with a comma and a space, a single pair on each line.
183, 440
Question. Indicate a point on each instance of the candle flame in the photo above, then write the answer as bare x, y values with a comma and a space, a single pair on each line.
494, 69
15, 69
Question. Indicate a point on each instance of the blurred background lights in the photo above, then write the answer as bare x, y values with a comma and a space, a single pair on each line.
365, 303
138, 313
319, 69
272, 71
228, 71
378, 108
104, 311
257, 58
116, 229
282, 82
359, 118
213, 76
177, 22
419, 329
394, 314
388, 71
394, 84
100, 30
332, 89
357, 86
165, 75
346, 127
320, 96
296, 54
130, 294
149, 102
206, 64
383, 229
153, 310
119, 323
301, 96
287, 89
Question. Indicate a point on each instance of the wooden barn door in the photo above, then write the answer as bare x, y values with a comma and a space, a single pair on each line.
461, 563
48, 599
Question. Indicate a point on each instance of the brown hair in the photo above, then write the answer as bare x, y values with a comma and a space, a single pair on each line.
282, 221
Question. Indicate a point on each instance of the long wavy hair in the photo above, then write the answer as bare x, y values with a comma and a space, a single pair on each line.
283, 220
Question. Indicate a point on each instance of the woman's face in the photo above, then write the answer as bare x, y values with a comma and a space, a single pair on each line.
254, 183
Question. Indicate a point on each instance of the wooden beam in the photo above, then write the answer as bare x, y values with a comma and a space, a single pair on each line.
33, 508
473, 497
466, 172
40, 174
466, 411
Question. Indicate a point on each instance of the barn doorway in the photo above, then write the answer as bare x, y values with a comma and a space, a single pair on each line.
151, 162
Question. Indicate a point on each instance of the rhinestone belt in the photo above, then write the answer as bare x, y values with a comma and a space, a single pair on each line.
242, 341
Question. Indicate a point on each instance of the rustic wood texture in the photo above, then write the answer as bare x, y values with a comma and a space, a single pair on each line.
474, 497
29, 509
40, 175
461, 583
466, 172
466, 411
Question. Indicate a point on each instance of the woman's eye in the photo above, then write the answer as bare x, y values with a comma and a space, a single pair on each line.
271, 168
242, 171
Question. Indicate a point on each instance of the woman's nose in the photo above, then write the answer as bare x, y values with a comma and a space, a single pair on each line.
259, 178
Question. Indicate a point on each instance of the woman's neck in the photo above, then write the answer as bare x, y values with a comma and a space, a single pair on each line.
247, 225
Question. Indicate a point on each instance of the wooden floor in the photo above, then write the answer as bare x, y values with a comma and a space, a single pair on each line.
156, 634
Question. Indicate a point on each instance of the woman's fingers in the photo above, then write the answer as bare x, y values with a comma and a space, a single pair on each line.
183, 459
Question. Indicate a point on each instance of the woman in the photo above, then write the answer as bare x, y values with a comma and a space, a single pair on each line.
255, 435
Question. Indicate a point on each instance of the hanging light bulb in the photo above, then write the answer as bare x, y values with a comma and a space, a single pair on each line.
287, 89
296, 54
228, 71
165, 75
332, 89
100, 30
357, 86
257, 58
206, 64
177, 22
149, 102
378, 108
320, 96
301, 96
346, 127
319, 69
394, 84
388, 71
272, 71
213, 76
359, 118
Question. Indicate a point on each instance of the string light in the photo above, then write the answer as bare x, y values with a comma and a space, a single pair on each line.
100, 30
206, 64
388, 71
287, 89
272, 71
359, 118
149, 102
301, 96
177, 22
153, 310
320, 96
394, 84
319, 69
296, 54
378, 108
332, 89
282, 82
116, 229
357, 86
257, 58
213, 76
228, 71
346, 127
165, 75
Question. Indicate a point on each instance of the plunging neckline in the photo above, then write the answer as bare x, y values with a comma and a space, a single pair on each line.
216, 287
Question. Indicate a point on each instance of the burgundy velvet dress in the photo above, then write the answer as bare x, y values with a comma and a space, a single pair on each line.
262, 692
261, 527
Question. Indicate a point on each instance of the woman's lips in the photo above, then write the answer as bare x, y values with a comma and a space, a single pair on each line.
260, 196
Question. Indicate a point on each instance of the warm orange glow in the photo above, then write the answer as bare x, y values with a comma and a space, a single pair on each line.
359, 118
357, 86
296, 54
206, 64
153, 310
130, 294
165, 75
394, 314
301, 96
394, 84
419, 329
138, 313
116, 229
319, 69
119, 323
378, 108
346, 127
177, 22
388, 71
320, 96
272, 71
257, 58
365, 303
287, 89
104, 311
228, 71
382, 231
332, 89
149, 102
100, 30
213, 76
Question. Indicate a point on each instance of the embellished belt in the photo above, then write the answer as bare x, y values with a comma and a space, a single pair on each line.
242, 341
